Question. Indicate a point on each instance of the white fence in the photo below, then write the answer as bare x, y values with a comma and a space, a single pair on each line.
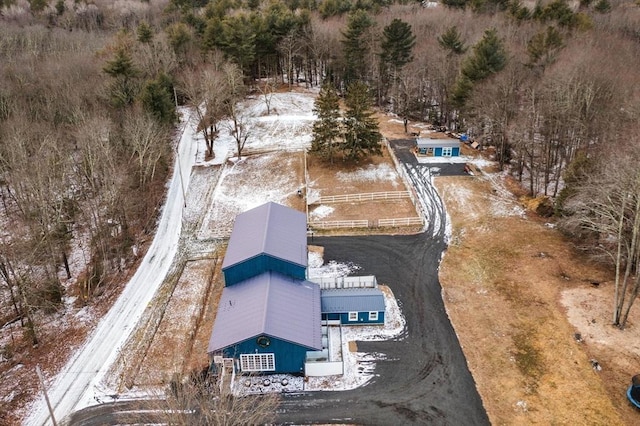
369, 196
330, 224
338, 224
401, 169
401, 222
367, 281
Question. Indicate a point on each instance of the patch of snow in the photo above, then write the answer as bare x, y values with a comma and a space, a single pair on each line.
315, 260
313, 195
287, 128
461, 196
332, 269
321, 212
444, 160
481, 162
84, 314
372, 173
506, 208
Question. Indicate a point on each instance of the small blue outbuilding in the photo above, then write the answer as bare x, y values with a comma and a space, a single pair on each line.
270, 237
353, 306
438, 147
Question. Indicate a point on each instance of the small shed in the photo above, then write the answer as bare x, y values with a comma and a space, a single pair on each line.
353, 306
270, 237
267, 324
438, 147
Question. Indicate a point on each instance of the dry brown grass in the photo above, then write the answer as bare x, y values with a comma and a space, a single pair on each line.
327, 179
502, 280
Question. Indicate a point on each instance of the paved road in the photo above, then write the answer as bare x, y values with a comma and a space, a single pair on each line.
424, 378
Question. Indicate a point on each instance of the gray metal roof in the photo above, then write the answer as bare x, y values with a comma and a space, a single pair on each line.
433, 143
271, 229
272, 304
351, 300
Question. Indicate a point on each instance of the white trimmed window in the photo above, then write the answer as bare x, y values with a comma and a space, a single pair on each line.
373, 316
353, 316
258, 362
447, 151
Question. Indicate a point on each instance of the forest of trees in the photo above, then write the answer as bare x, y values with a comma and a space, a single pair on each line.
88, 93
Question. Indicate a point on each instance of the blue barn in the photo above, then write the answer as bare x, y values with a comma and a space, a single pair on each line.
267, 324
270, 237
438, 147
352, 306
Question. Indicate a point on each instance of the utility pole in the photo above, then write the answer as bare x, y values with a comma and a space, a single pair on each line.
184, 195
46, 397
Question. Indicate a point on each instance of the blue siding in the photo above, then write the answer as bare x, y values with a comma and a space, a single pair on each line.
455, 152
289, 357
330, 317
363, 318
259, 264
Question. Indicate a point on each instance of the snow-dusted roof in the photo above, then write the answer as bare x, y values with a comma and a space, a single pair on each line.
432, 143
270, 229
272, 304
338, 300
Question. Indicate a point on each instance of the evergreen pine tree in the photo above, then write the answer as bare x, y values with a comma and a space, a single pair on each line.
238, 40
124, 73
603, 6
455, 4
157, 98
397, 44
450, 40
60, 7
361, 132
144, 32
326, 129
543, 46
356, 48
489, 57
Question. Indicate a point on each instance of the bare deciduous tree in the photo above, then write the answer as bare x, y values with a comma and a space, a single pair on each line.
240, 119
199, 399
148, 144
239, 126
608, 206
267, 89
208, 92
